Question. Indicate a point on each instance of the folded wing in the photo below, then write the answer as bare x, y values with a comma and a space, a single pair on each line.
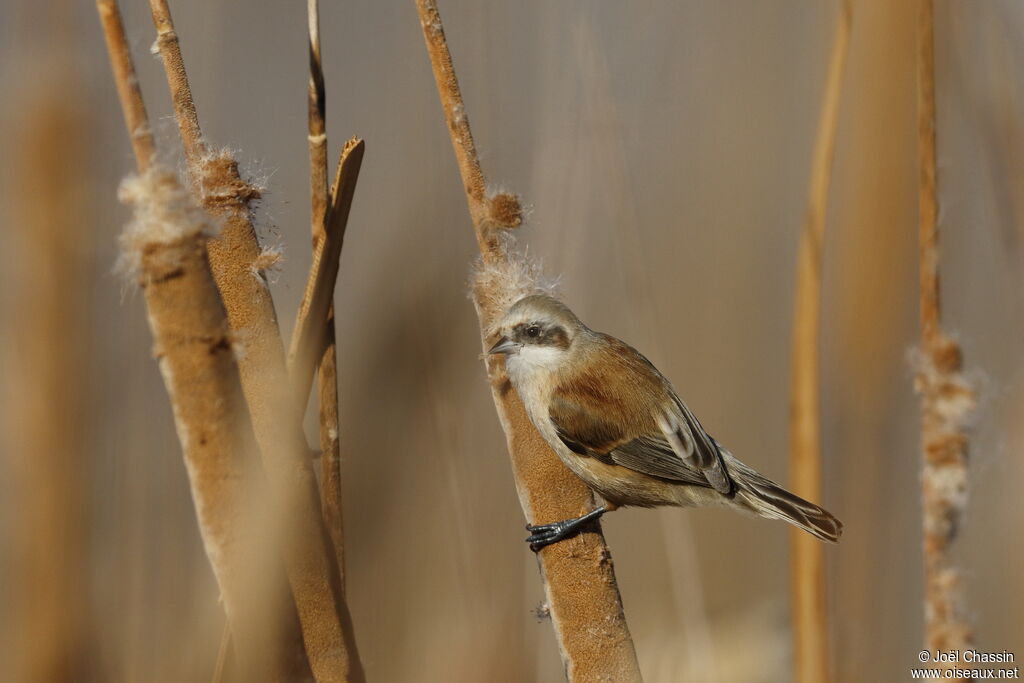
624, 412
690, 442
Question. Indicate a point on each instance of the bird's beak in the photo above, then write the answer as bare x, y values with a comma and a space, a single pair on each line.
505, 346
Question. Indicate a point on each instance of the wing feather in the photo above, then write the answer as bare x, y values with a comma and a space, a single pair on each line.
622, 410
705, 454
657, 458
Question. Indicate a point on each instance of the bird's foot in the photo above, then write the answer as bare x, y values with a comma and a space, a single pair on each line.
542, 535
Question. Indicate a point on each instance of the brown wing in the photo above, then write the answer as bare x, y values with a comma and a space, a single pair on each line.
584, 433
612, 413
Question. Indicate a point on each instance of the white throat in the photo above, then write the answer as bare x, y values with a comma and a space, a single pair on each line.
532, 359
533, 371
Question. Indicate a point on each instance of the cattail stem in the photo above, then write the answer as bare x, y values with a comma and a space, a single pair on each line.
582, 595
177, 78
458, 129
947, 398
327, 365
810, 626
194, 348
135, 117
266, 632
323, 616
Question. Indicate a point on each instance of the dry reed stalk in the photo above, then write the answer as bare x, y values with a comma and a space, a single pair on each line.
330, 446
309, 562
810, 622
166, 246
326, 633
194, 349
280, 614
579, 579
143, 146
875, 206
47, 457
317, 136
235, 251
135, 117
310, 325
327, 365
947, 399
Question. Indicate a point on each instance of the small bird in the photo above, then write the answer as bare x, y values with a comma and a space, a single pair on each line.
618, 424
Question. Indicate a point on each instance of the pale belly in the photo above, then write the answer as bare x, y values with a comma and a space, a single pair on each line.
620, 485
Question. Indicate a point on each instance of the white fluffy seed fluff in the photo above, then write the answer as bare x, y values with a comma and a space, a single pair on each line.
956, 399
268, 262
163, 212
497, 285
949, 402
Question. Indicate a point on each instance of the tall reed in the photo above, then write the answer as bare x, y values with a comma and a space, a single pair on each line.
947, 398
810, 614
583, 598
327, 366
234, 258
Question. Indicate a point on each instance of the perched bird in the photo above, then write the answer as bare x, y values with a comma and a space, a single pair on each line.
618, 424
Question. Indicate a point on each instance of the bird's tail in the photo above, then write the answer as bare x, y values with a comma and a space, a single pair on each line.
767, 499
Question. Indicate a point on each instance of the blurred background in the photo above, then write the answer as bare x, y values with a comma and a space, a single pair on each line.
664, 150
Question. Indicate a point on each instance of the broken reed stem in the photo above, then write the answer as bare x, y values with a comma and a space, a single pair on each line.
327, 365
579, 579
810, 623
310, 325
135, 117
946, 397
193, 346
277, 421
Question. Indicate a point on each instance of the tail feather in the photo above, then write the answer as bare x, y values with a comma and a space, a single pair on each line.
766, 498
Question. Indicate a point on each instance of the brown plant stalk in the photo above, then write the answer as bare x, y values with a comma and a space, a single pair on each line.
810, 624
312, 344
947, 399
327, 365
311, 323
278, 616
234, 256
135, 117
579, 579
193, 345
46, 425
236, 249
330, 445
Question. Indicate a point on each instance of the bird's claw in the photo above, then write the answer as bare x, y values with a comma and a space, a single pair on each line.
542, 535
545, 534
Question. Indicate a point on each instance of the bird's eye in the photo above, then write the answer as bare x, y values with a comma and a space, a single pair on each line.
533, 331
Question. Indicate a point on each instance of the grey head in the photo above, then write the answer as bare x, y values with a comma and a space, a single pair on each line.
537, 323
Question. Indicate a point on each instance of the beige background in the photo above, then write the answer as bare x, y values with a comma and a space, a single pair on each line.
663, 148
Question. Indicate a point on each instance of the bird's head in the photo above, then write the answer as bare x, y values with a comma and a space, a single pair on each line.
537, 330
